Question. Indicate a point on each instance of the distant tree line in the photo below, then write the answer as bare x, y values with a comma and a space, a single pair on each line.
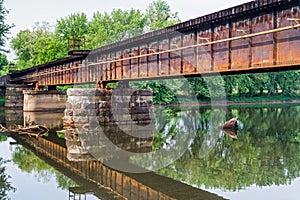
264, 85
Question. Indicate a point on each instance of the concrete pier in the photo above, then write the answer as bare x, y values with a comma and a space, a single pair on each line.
14, 98
37, 101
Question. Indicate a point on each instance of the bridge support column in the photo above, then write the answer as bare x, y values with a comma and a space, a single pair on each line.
125, 116
14, 97
110, 107
35, 100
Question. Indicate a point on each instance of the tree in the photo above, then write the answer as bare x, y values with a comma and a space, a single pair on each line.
3, 61
36, 46
106, 28
159, 15
5, 185
4, 28
289, 82
72, 26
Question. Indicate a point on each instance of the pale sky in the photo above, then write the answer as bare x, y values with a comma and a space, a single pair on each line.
24, 13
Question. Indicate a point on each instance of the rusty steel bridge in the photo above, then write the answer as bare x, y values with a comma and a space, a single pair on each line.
262, 35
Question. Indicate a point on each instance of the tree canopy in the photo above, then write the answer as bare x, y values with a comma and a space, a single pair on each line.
5, 184
4, 27
4, 31
40, 44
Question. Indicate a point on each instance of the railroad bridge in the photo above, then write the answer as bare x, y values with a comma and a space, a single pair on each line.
261, 35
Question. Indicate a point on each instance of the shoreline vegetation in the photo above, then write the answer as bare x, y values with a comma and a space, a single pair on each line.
238, 101
230, 101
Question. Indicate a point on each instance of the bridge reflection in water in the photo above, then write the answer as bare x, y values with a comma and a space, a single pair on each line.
93, 176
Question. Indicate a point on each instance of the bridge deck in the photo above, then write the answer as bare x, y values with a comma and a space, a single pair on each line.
252, 37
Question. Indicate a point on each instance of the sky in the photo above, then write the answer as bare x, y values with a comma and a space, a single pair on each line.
24, 13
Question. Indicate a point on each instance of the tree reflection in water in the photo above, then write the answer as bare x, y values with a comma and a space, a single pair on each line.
265, 153
28, 162
5, 184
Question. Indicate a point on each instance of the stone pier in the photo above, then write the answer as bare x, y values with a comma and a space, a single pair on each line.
109, 107
98, 123
45, 100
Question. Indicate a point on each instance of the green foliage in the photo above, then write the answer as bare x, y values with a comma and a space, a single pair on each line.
5, 185
29, 163
64, 182
75, 25
164, 91
3, 61
3, 138
64, 88
72, 26
106, 28
34, 47
159, 15
4, 28
5, 66
255, 85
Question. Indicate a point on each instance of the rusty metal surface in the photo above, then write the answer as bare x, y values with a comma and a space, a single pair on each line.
205, 45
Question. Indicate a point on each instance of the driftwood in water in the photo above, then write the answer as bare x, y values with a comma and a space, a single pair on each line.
231, 132
231, 124
230, 127
32, 130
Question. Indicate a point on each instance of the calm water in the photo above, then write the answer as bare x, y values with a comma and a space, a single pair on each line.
195, 161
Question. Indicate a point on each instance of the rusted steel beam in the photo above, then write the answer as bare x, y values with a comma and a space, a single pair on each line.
246, 36
84, 68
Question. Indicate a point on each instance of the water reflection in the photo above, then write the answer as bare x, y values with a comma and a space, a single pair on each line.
95, 144
266, 152
50, 120
6, 185
90, 175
